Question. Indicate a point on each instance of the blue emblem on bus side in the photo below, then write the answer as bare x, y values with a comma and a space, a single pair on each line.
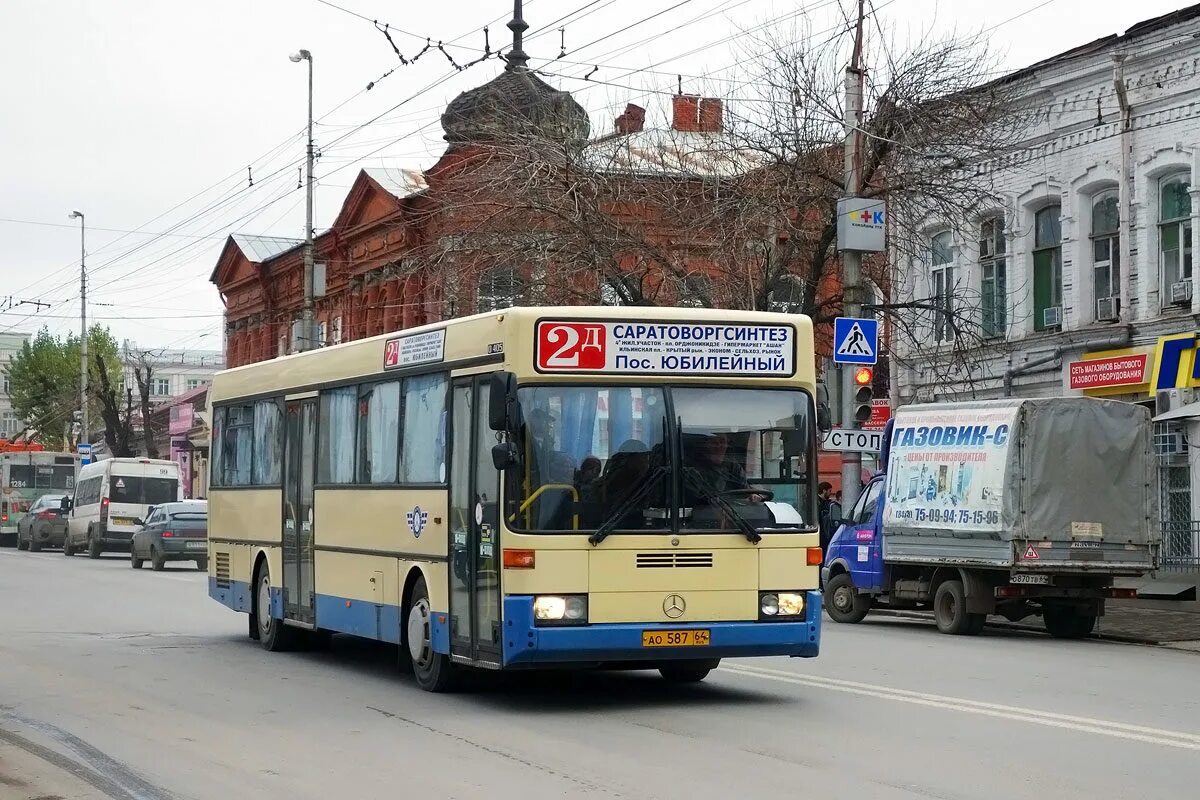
416, 521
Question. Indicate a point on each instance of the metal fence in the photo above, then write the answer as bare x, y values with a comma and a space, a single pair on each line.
1181, 546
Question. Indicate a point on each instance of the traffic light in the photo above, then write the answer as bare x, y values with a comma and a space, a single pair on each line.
863, 376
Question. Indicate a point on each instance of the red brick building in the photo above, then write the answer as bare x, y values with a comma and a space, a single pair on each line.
406, 248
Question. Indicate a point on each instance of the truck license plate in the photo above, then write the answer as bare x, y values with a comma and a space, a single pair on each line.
697, 638
1039, 580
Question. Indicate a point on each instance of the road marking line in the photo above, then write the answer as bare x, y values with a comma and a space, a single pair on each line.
1120, 730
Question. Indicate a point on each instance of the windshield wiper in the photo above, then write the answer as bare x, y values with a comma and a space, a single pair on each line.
618, 514
744, 526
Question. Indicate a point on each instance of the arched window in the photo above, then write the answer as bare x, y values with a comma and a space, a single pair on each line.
941, 281
993, 265
1106, 254
1047, 268
499, 287
1175, 237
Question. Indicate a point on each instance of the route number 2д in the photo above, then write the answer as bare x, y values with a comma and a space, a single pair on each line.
571, 346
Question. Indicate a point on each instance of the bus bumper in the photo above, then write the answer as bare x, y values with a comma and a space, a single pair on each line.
525, 644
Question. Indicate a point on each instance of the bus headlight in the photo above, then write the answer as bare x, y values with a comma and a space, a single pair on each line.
570, 609
781, 604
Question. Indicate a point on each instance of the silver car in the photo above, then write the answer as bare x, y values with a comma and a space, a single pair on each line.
43, 525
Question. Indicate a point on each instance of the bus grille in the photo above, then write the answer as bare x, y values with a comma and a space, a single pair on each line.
223, 570
672, 560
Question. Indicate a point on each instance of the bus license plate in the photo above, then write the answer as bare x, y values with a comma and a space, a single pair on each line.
1039, 580
697, 638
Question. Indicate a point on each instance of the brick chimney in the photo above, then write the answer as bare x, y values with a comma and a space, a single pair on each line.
632, 120
691, 113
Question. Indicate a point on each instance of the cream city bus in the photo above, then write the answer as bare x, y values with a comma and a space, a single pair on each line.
535, 487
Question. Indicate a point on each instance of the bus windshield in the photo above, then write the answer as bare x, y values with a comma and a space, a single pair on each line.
662, 458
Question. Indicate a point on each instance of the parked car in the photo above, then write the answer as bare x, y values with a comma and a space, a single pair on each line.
43, 525
172, 532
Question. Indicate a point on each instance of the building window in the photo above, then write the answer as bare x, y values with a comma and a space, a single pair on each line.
282, 349
1047, 268
9, 423
1175, 236
993, 264
695, 290
499, 287
336, 335
322, 334
7, 385
941, 280
196, 383
160, 387
1106, 254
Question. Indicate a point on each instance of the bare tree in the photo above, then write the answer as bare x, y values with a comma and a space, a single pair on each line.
116, 408
143, 371
744, 218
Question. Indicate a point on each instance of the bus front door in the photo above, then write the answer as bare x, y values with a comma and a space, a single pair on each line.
299, 467
474, 533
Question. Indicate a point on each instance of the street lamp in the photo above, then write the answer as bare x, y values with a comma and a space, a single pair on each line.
306, 320
84, 434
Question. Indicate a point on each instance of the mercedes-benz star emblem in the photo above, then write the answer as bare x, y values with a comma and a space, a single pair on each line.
674, 606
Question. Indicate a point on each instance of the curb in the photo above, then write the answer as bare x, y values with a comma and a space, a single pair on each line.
1018, 626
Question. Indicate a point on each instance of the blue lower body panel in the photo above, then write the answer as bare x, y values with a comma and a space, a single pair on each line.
339, 614
525, 644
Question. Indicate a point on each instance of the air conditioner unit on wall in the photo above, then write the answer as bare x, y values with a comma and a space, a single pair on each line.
1107, 309
1052, 317
1181, 292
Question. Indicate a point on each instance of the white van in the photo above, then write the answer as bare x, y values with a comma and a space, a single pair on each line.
112, 497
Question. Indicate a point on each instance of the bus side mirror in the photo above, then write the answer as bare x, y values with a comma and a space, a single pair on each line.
502, 402
504, 455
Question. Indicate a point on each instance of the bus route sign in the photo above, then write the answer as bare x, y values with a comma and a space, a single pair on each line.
665, 348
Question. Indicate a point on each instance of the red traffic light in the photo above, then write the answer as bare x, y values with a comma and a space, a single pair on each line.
863, 376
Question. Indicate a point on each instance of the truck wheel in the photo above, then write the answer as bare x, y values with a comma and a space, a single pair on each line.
843, 602
1067, 623
950, 610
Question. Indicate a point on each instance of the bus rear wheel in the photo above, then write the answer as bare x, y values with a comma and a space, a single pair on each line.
688, 671
433, 671
273, 634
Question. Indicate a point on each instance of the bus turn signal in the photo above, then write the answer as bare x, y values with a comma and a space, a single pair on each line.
815, 557
518, 559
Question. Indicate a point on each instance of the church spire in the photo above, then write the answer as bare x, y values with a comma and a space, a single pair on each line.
517, 58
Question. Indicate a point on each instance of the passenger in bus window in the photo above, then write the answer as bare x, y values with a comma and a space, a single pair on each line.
623, 475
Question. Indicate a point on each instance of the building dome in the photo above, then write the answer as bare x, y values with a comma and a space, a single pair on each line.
515, 103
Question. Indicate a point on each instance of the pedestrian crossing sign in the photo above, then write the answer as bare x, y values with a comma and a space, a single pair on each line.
855, 340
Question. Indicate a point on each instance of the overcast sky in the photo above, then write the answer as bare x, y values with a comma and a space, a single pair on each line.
144, 114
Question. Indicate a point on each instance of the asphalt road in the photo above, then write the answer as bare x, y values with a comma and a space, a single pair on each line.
115, 684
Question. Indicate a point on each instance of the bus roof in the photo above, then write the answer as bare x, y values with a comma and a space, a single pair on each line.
584, 344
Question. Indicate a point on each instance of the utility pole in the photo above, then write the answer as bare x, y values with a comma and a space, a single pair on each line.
852, 292
84, 433
308, 329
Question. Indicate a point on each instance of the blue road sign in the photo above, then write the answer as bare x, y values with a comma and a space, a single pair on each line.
855, 341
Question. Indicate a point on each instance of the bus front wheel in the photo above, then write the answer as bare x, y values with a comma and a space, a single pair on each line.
433, 671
